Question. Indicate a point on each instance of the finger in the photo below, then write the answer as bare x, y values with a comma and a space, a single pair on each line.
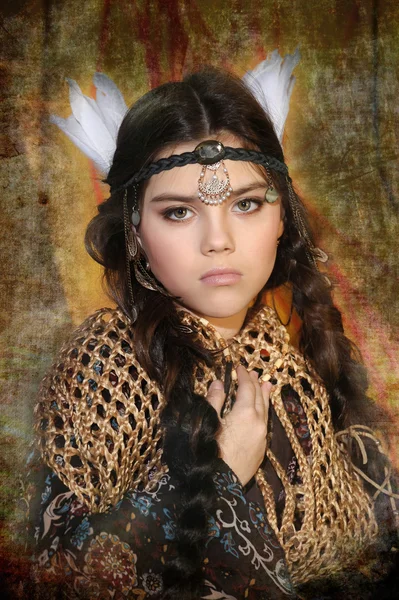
216, 395
246, 389
254, 375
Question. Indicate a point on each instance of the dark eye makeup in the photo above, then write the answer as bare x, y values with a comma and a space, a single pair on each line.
169, 212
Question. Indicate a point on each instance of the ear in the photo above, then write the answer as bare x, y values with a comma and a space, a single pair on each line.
280, 228
136, 232
281, 224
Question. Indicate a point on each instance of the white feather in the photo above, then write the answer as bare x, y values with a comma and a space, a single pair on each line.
272, 82
75, 132
110, 102
88, 114
94, 124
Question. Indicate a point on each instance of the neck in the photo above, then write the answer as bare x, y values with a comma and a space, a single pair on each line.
227, 327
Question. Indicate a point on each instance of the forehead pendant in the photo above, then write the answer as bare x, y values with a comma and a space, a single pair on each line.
212, 188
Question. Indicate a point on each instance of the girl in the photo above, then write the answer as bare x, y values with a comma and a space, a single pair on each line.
187, 448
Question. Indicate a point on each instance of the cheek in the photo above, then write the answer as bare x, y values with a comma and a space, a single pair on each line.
262, 243
164, 252
262, 258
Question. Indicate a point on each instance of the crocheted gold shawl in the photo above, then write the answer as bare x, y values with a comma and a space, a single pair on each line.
98, 424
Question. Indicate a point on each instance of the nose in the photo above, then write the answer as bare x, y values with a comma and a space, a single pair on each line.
217, 234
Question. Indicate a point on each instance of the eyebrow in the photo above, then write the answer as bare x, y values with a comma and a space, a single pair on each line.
167, 196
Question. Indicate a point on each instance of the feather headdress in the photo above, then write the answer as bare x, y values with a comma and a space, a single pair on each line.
94, 123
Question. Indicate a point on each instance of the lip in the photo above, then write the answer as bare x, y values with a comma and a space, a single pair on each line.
221, 276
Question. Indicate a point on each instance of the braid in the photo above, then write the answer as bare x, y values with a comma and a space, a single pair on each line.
190, 447
192, 459
322, 341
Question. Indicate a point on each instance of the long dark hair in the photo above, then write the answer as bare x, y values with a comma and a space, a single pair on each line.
201, 106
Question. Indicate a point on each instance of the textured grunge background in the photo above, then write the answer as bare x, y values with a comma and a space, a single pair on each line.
341, 145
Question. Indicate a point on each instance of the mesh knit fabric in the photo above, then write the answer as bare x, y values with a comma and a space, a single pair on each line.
98, 425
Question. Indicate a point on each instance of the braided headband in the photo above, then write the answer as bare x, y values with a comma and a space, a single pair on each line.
209, 152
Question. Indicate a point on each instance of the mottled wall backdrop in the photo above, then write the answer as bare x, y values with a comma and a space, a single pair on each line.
341, 144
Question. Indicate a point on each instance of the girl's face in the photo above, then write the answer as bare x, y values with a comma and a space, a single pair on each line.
184, 238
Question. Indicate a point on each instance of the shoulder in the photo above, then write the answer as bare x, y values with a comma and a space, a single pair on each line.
97, 418
105, 325
92, 352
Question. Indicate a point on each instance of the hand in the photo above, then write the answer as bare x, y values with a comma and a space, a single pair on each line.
242, 437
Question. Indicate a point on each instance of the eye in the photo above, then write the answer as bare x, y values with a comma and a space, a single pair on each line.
176, 214
249, 205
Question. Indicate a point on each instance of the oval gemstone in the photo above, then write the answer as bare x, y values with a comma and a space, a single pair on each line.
209, 152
